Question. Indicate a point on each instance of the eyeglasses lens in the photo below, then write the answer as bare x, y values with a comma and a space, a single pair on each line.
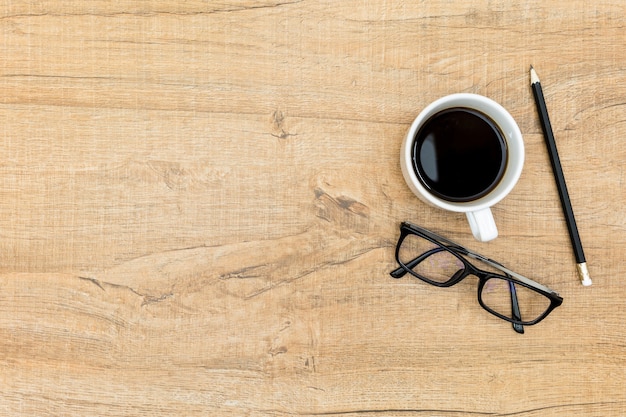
428, 260
497, 295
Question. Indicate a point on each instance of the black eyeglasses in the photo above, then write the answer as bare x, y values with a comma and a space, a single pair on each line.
502, 292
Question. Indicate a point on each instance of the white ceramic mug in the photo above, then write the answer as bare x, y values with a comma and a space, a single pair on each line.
478, 211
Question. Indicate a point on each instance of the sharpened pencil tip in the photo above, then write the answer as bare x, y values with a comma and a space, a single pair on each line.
534, 78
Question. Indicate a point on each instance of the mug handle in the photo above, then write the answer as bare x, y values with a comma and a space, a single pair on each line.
482, 224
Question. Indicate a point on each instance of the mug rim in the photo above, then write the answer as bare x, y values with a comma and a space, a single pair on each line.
512, 135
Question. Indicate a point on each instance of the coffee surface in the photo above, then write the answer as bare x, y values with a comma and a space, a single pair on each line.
459, 154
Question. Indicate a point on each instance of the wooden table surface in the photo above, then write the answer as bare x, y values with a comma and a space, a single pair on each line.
200, 201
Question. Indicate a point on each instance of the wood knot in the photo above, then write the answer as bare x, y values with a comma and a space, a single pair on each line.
278, 126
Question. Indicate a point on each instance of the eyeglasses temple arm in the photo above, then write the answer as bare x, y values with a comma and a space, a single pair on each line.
475, 255
508, 272
515, 309
399, 272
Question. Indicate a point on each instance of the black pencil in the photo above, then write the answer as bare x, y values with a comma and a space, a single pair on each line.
583, 273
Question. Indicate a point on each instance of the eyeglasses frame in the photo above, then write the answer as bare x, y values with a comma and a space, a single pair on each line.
483, 276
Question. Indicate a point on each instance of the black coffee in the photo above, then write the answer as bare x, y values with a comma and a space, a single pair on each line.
459, 154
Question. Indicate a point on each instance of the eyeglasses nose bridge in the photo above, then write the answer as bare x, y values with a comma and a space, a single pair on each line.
459, 275
483, 277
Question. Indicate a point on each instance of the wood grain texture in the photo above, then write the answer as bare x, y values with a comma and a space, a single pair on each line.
199, 204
